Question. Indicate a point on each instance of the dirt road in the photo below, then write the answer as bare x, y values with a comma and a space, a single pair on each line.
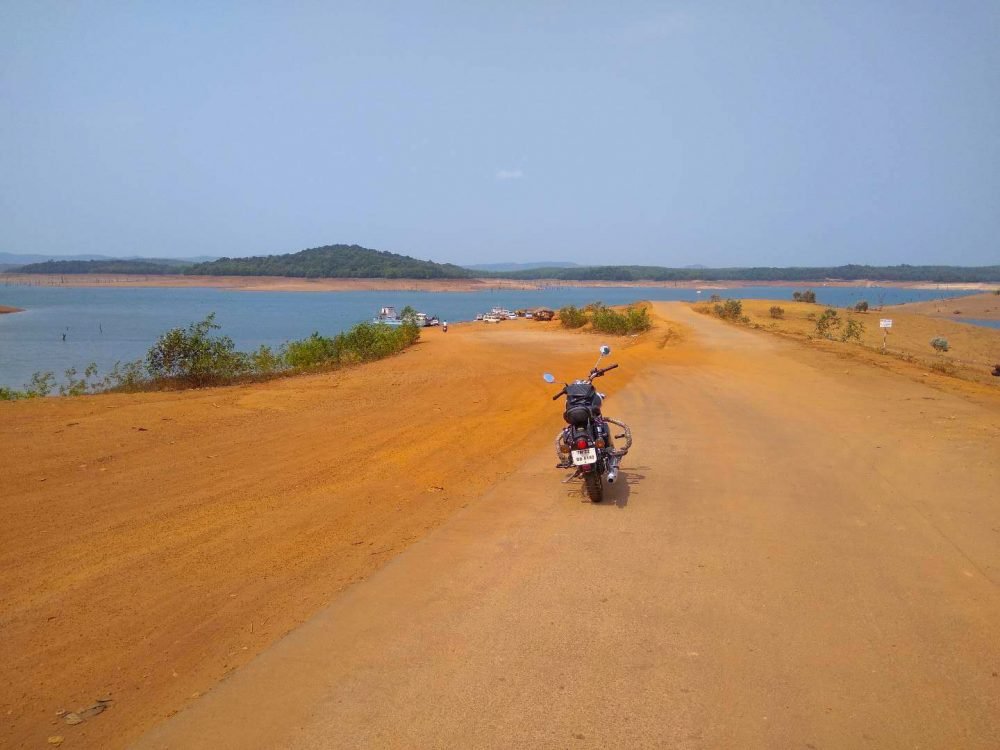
806, 554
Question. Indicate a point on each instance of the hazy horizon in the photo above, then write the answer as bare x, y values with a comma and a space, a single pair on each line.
721, 134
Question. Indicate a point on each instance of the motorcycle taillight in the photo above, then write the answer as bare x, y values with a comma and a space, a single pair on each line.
581, 443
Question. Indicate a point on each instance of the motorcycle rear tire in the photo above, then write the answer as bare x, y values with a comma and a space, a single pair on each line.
595, 487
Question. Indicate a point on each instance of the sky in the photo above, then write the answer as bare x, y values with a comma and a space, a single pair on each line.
667, 133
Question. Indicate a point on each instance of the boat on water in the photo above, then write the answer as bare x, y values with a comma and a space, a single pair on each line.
388, 316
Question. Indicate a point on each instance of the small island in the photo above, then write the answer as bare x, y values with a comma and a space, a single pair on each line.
5, 309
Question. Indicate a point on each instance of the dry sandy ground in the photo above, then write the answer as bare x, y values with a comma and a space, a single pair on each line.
976, 306
153, 543
805, 553
972, 354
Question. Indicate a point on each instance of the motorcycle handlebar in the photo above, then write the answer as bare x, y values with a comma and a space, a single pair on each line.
597, 373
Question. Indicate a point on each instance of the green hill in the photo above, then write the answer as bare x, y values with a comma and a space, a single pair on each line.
333, 261
938, 274
145, 267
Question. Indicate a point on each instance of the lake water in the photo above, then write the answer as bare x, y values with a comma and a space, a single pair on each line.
107, 325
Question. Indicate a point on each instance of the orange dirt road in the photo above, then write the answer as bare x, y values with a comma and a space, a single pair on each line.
805, 552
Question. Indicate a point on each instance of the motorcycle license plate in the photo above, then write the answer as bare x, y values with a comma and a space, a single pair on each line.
581, 458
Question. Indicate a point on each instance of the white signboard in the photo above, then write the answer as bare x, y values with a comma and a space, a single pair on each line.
885, 323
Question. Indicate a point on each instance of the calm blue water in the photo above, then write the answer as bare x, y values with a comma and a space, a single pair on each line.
107, 325
976, 322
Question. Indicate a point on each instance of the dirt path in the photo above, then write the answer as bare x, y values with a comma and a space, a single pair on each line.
806, 554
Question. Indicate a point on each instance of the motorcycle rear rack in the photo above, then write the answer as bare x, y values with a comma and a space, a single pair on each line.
618, 453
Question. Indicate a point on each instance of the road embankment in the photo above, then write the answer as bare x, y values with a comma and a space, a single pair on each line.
972, 353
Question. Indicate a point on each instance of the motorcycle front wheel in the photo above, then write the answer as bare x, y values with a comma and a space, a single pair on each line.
594, 485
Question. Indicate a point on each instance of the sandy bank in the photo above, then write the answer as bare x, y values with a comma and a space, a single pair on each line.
5, 309
975, 306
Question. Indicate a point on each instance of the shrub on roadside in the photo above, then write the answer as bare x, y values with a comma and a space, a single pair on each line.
311, 352
194, 356
632, 320
940, 343
731, 309
853, 331
572, 317
41, 384
827, 323
75, 386
777, 312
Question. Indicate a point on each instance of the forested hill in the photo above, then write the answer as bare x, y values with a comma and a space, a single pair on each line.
939, 274
333, 261
143, 267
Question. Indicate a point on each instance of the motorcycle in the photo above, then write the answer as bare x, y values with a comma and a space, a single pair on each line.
586, 444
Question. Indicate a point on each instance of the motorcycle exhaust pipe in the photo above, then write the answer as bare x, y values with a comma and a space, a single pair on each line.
613, 471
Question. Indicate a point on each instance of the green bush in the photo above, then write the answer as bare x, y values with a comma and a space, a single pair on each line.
731, 309
125, 376
807, 296
853, 331
940, 343
827, 323
632, 320
314, 351
862, 306
75, 386
572, 317
41, 384
194, 357
777, 312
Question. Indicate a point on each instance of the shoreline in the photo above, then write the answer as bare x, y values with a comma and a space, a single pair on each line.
4, 309
975, 306
298, 284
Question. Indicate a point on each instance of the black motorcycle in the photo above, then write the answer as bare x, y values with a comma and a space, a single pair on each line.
586, 444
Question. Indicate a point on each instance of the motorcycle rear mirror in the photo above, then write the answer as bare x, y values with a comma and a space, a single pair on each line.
605, 350
549, 377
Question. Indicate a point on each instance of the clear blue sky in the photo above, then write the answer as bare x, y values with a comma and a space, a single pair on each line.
721, 133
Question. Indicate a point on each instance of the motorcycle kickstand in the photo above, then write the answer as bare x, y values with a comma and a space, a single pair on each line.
571, 477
